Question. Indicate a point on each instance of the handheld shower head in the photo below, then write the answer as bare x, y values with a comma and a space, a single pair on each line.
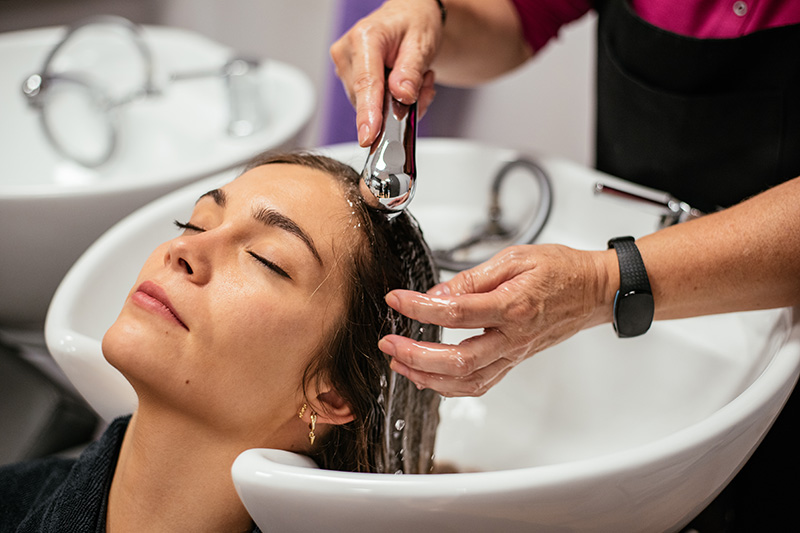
389, 178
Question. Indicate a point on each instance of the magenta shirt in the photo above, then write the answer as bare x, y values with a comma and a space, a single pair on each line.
705, 19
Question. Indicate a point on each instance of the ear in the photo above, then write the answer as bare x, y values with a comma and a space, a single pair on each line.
332, 409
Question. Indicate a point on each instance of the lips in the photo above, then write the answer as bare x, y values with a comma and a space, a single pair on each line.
152, 297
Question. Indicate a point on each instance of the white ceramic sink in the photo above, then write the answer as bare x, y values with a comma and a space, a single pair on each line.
52, 208
596, 434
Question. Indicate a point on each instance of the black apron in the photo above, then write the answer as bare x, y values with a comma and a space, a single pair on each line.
711, 121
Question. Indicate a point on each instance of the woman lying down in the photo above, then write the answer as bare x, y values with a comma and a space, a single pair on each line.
256, 327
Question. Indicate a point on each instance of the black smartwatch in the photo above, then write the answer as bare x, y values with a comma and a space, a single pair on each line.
633, 304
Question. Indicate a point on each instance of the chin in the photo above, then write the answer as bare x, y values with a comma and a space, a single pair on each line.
135, 348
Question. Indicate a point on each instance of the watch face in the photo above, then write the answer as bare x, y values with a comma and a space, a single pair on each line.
633, 313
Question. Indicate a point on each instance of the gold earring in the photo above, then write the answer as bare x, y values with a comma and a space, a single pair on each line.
313, 426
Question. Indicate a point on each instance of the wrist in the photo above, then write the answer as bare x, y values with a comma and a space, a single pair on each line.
606, 274
434, 8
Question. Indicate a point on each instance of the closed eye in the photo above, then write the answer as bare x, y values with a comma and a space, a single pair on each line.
269, 264
188, 226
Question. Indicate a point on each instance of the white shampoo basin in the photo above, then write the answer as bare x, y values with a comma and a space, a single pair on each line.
595, 434
52, 209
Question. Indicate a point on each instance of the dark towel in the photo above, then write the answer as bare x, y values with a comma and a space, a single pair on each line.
57, 495
61, 495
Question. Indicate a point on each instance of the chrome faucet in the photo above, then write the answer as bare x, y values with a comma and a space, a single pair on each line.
671, 210
39, 89
36, 83
494, 232
246, 113
389, 178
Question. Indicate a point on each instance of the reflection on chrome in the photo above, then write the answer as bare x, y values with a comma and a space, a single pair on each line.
389, 178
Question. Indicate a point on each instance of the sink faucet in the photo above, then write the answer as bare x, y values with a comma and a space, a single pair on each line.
41, 87
245, 107
246, 114
494, 231
671, 210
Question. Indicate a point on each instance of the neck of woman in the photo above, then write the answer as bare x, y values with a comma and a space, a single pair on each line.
173, 474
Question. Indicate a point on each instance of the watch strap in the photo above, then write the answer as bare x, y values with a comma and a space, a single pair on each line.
632, 274
633, 303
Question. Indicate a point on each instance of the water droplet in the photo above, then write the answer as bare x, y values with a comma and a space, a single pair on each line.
399, 424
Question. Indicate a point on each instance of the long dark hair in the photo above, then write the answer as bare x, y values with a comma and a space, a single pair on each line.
395, 423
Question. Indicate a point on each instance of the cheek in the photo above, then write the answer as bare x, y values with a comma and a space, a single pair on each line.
266, 337
258, 348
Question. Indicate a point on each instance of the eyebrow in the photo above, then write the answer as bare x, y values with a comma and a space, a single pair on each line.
218, 195
271, 218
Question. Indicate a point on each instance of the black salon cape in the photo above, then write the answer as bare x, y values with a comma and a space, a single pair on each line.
61, 495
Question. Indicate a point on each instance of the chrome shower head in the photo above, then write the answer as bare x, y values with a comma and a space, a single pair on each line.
389, 178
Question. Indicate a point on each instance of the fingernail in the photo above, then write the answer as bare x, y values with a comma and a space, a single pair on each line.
392, 301
387, 347
410, 88
363, 134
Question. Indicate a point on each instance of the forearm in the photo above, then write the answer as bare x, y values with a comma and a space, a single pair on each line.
482, 40
743, 258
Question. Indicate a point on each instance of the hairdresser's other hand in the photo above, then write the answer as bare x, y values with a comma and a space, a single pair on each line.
526, 298
400, 35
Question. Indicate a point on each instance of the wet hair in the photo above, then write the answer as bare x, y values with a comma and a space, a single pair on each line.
395, 423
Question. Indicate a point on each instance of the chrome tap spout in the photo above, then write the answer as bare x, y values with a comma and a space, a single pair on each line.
389, 178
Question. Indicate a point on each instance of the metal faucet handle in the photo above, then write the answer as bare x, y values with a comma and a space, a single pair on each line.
671, 210
389, 177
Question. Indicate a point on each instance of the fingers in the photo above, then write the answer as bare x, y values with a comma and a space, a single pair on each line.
469, 369
449, 386
470, 299
395, 36
411, 66
464, 311
359, 64
527, 298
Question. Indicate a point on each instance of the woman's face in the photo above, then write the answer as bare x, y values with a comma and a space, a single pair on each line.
223, 319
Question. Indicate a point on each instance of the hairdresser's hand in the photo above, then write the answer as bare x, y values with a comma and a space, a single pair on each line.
526, 298
402, 36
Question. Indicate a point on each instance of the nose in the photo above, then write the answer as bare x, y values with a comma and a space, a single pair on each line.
189, 255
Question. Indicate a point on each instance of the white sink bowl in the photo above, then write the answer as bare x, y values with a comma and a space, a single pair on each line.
596, 434
51, 208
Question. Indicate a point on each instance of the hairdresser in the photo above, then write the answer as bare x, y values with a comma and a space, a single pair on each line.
697, 98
